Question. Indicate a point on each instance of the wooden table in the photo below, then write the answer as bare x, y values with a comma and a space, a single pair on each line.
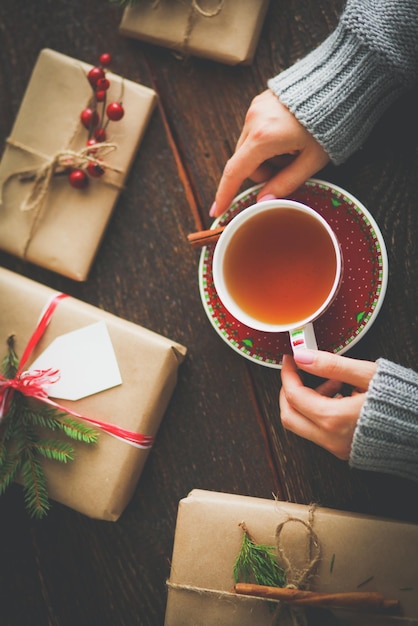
222, 429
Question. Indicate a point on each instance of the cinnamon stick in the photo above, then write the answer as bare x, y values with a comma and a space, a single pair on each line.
372, 600
205, 237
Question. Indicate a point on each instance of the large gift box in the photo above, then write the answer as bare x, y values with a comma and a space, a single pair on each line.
356, 553
62, 227
101, 479
222, 30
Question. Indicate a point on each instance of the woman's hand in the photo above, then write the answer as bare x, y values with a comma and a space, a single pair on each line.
271, 137
322, 415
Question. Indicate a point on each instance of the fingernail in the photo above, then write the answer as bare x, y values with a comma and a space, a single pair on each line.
304, 357
268, 196
212, 210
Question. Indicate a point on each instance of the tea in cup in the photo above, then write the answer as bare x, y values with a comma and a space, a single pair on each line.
277, 267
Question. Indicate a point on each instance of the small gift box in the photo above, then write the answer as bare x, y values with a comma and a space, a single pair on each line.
333, 551
43, 218
116, 375
221, 30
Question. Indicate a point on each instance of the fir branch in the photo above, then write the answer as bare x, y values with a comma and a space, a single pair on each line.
47, 418
78, 430
34, 486
257, 563
10, 362
55, 450
9, 469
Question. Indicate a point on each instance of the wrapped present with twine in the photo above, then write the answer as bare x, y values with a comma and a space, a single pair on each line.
83, 362
221, 30
241, 561
43, 219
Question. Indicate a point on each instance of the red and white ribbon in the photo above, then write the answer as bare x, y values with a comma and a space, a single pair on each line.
34, 384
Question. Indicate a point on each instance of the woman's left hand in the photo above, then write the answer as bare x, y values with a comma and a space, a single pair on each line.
323, 415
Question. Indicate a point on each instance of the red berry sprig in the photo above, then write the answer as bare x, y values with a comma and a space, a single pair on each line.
95, 118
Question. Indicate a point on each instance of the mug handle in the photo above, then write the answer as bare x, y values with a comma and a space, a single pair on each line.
303, 337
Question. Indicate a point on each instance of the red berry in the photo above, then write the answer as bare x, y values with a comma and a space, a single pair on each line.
102, 84
100, 134
115, 111
105, 59
89, 118
78, 179
94, 75
95, 170
100, 96
91, 143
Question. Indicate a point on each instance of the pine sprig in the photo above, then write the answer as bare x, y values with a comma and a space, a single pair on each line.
257, 563
25, 442
77, 430
9, 470
10, 362
54, 450
34, 485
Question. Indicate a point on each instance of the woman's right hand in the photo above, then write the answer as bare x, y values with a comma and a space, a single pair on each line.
271, 134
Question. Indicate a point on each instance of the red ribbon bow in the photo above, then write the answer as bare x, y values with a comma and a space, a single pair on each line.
34, 384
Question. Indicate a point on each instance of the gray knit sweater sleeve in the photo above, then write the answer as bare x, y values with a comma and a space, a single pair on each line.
341, 89
386, 435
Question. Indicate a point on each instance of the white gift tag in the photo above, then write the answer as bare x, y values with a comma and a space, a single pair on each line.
86, 361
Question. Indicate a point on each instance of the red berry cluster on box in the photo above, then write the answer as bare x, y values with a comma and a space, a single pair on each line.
95, 119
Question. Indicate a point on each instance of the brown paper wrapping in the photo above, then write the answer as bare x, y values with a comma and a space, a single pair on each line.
354, 548
71, 224
101, 479
229, 37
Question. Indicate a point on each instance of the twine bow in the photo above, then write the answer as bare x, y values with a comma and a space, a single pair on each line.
42, 175
60, 162
297, 579
34, 384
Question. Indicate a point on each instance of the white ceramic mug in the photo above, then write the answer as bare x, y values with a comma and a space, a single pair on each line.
277, 267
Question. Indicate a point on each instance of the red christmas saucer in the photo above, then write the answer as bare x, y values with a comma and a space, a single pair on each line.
360, 296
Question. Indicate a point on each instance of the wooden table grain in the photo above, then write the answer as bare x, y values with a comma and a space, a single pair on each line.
222, 429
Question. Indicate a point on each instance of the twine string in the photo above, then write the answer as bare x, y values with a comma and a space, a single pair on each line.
61, 161
194, 11
297, 579
42, 175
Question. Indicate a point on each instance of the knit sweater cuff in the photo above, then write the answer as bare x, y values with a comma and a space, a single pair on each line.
338, 92
386, 435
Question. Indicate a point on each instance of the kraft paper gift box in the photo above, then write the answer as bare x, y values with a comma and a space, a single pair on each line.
101, 479
64, 232
356, 553
227, 32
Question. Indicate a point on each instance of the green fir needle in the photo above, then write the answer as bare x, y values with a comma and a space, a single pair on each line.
257, 563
